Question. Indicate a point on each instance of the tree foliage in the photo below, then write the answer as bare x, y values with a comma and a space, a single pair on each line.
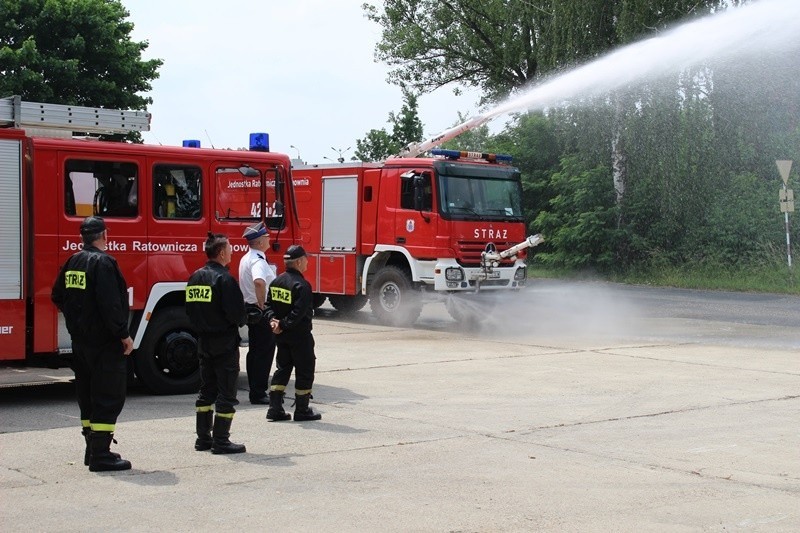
75, 52
490, 44
406, 125
500, 46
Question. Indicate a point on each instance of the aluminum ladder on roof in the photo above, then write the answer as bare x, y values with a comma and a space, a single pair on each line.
70, 118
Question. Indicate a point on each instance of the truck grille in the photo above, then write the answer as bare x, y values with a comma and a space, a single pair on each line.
468, 253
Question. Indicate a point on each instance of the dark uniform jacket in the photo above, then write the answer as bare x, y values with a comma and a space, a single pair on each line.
93, 296
214, 303
289, 299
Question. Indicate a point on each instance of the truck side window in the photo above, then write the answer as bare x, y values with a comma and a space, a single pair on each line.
407, 193
240, 191
177, 192
105, 188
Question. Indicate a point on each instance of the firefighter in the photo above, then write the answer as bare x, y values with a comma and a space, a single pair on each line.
215, 306
255, 275
93, 296
290, 310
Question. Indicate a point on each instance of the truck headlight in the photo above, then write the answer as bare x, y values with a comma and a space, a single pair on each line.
520, 274
454, 274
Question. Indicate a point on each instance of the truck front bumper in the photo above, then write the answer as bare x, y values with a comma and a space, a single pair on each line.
450, 276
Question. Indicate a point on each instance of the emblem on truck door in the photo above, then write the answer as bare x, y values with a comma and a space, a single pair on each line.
410, 225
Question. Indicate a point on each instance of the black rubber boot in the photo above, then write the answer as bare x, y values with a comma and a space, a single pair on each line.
102, 459
86, 436
204, 440
302, 411
221, 440
275, 412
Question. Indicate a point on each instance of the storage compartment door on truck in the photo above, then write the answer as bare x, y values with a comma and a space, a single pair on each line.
339, 225
12, 303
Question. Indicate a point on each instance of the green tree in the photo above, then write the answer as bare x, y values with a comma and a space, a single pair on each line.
490, 44
75, 52
580, 222
377, 145
406, 125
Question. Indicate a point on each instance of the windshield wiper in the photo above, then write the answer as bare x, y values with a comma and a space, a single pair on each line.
469, 210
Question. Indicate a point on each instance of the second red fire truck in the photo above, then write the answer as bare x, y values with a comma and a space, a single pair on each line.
396, 234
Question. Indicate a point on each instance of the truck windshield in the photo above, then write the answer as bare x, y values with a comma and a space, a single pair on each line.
470, 192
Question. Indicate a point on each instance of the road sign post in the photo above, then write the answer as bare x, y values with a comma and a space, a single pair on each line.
786, 199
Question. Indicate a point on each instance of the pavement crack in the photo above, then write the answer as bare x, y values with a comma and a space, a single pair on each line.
609, 351
662, 413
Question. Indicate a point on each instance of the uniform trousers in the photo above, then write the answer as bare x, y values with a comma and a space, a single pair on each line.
101, 380
259, 358
219, 372
295, 351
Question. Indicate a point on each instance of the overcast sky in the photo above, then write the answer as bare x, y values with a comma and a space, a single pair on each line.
301, 70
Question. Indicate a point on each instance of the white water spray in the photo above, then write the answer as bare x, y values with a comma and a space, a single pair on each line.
752, 30
763, 27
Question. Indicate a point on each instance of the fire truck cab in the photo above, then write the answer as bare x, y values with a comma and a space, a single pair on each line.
411, 230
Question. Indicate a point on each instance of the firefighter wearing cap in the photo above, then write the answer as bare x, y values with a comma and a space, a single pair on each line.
92, 294
255, 275
215, 306
290, 310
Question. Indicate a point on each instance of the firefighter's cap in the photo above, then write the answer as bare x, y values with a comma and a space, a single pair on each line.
92, 226
255, 231
295, 251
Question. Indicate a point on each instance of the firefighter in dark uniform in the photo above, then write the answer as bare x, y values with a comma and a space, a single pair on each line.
289, 310
93, 296
215, 306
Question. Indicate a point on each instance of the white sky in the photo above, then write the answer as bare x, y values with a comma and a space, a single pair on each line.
301, 70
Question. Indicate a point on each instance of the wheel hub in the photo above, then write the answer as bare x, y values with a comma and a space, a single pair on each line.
390, 296
179, 356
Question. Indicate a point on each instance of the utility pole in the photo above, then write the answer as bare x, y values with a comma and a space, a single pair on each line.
298, 151
341, 153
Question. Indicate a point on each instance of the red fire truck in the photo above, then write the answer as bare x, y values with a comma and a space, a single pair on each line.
397, 233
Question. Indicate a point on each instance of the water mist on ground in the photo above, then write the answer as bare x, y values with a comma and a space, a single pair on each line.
551, 311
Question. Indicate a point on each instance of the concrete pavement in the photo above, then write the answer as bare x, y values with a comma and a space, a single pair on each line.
445, 430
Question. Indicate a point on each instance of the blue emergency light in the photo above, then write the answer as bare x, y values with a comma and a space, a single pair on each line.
457, 154
191, 143
259, 142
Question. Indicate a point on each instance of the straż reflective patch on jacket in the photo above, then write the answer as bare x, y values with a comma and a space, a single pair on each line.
75, 279
281, 295
198, 293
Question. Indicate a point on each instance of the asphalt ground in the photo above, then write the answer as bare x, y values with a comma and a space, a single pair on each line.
603, 414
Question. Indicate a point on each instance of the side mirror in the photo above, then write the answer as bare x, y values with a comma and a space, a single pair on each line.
248, 171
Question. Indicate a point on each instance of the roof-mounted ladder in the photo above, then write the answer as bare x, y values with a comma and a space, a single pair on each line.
66, 119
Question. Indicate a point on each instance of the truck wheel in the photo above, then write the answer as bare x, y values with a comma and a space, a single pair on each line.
347, 304
392, 298
318, 299
166, 361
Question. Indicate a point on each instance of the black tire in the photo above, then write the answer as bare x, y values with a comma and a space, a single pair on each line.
393, 299
347, 304
318, 299
166, 361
